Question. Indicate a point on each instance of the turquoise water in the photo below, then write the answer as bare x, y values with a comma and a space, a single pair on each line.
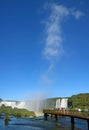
41, 124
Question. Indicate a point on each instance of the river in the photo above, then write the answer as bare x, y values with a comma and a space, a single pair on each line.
38, 123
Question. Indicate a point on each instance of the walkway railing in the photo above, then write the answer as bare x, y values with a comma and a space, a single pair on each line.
71, 114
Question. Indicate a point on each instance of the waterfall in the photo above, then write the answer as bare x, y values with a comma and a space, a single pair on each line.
62, 103
58, 103
13, 104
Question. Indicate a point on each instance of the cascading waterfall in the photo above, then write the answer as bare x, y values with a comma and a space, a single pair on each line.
62, 103
58, 103
13, 104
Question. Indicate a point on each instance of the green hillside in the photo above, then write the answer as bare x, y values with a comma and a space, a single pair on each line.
15, 111
80, 101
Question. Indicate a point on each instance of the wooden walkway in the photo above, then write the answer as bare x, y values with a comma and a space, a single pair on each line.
71, 114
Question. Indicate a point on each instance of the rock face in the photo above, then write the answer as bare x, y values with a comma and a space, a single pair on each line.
13, 104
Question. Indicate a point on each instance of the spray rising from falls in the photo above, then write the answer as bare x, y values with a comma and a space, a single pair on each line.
35, 103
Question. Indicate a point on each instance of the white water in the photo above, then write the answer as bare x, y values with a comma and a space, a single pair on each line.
13, 104
58, 103
62, 103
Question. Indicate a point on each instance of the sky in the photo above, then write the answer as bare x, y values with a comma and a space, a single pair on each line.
44, 48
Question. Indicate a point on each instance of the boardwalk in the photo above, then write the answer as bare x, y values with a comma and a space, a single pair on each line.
71, 114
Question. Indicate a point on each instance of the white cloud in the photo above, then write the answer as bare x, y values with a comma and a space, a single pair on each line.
78, 14
53, 47
53, 25
53, 40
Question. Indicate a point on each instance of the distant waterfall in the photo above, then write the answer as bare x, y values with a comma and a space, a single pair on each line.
62, 103
58, 103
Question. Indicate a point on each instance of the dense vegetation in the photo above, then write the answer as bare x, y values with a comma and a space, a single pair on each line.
15, 111
80, 101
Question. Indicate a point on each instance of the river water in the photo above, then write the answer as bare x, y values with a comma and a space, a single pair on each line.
38, 123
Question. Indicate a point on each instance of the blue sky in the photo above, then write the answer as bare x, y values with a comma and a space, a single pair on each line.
44, 48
